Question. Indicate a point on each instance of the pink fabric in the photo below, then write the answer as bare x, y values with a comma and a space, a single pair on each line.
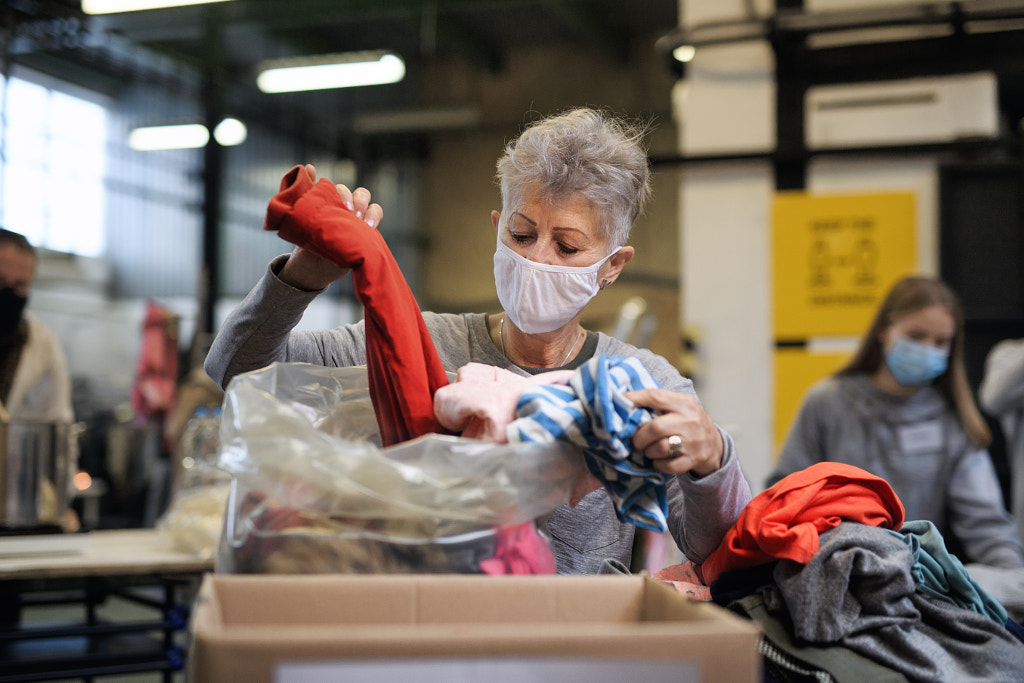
685, 580
482, 400
156, 374
520, 550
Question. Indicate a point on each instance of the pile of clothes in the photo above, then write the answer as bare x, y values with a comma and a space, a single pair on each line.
845, 589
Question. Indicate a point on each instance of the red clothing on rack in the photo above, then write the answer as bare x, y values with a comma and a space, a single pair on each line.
156, 372
403, 365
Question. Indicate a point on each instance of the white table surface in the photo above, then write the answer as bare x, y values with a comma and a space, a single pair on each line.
105, 552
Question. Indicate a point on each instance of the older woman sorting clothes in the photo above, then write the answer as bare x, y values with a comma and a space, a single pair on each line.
571, 187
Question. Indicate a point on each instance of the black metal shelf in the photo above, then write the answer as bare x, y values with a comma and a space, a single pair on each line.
95, 645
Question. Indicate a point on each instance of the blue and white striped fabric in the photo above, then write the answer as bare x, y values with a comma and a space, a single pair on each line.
592, 412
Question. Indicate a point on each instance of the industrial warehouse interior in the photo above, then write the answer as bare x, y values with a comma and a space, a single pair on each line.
805, 159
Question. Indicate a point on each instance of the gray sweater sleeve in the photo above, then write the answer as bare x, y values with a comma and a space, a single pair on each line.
710, 505
977, 516
260, 331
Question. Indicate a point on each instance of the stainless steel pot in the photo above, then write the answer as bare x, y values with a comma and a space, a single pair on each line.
35, 467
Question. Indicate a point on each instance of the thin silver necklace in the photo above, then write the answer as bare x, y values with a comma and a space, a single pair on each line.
501, 338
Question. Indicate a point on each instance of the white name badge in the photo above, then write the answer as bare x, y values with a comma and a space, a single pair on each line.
921, 438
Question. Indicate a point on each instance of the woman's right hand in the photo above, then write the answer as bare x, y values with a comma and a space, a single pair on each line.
308, 271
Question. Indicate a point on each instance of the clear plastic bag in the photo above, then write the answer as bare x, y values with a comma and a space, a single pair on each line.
199, 490
313, 490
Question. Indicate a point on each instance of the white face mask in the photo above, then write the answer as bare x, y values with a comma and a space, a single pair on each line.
538, 297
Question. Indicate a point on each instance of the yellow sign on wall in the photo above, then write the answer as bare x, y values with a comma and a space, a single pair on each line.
795, 371
835, 257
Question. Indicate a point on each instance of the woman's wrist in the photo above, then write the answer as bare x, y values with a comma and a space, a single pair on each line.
308, 272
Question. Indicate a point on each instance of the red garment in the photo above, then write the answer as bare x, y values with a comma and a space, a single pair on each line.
156, 373
403, 365
783, 522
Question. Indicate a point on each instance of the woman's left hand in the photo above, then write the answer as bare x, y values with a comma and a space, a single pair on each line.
681, 437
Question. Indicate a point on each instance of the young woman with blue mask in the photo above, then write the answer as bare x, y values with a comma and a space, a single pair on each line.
902, 409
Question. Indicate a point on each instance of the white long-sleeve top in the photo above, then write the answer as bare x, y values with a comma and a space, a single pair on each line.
41, 390
1002, 395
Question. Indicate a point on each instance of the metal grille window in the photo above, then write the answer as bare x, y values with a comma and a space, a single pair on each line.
52, 163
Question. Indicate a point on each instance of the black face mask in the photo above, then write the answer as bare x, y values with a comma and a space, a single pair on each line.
12, 307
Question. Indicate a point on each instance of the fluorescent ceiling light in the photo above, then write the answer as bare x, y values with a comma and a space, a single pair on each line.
112, 6
151, 138
345, 70
228, 133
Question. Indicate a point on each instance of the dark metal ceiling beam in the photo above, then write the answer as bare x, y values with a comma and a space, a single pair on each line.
799, 23
959, 53
447, 36
592, 30
185, 22
452, 37
292, 21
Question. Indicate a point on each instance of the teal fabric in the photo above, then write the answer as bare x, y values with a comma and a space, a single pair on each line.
942, 575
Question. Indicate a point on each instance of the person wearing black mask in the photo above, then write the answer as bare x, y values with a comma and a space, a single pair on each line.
34, 381
35, 385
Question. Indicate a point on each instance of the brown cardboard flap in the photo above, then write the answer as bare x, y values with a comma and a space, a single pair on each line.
392, 599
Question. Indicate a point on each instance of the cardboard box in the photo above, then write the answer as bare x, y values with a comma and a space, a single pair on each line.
245, 627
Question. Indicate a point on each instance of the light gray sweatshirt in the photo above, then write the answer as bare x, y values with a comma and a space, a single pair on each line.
1002, 395
260, 331
919, 447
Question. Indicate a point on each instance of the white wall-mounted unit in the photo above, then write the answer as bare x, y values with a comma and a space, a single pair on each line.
912, 111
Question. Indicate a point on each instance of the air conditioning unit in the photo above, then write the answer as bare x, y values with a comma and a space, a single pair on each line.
912, 111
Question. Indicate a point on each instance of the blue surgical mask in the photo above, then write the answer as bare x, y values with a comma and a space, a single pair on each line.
913, 363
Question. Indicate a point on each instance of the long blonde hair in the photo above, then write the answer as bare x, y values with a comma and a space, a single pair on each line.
909, 295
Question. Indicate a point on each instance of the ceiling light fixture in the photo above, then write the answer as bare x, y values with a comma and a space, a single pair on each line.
322, 72
113, 6
151, 138
228, 133
684, 53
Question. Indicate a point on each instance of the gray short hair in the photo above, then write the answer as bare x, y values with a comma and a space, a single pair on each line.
586, 153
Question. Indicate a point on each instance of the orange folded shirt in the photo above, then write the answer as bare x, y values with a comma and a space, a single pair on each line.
784, 521
403, 365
